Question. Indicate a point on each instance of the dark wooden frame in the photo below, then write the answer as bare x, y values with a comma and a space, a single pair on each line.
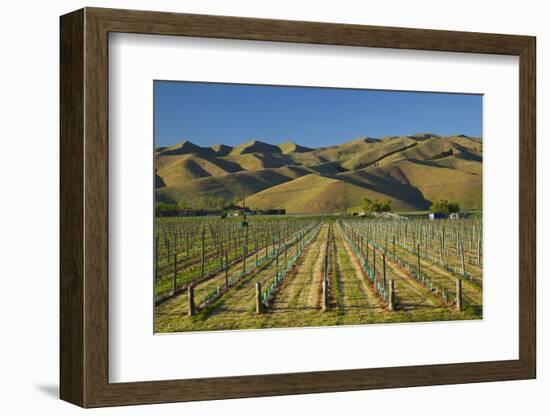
84, 207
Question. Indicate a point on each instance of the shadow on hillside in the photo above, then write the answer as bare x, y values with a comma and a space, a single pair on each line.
397, 190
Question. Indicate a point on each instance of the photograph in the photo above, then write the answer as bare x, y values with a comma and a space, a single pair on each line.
275, 203
289, 206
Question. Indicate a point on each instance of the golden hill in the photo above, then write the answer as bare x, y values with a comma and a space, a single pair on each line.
175, 170
216, 191
410, 171
435, 181
290, 147
316, 194
434, 148
346, 150
221, 149
258, 161
461, 164
185, 147
255, 146
377, 151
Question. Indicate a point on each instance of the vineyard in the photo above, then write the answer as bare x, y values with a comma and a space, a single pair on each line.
276, 271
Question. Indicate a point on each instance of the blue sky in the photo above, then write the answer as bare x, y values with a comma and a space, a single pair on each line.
214, 113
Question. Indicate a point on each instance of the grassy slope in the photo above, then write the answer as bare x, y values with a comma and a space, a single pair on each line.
186, 147
409, 171
435, 148
255, 146
257, 161
464, 165
402, 194
290, 147
221, 149
435, 182
378, 151
203, 192
347, 150
317, 194
176, 170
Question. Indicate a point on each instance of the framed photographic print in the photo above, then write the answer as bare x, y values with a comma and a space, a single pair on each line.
255, 207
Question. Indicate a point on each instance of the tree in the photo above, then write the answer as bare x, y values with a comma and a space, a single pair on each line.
376, 206
453, 207
161, 207
442, 206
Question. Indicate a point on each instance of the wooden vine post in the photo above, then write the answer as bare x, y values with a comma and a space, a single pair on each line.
226, 270
441, 249
220, 249
425, 247
277, 262
458, 294
244, 258
374, 262
259, 305
175, 274
384, 269
418, 259
326, 274
462, 259
191, 300
391, 297
325, 295
479, 250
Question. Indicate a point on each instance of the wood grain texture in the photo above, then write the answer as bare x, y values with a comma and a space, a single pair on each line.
527, 208
96, 209
71, 100
162, 23
84, 207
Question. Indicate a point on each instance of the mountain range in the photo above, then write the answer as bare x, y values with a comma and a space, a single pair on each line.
410, 171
